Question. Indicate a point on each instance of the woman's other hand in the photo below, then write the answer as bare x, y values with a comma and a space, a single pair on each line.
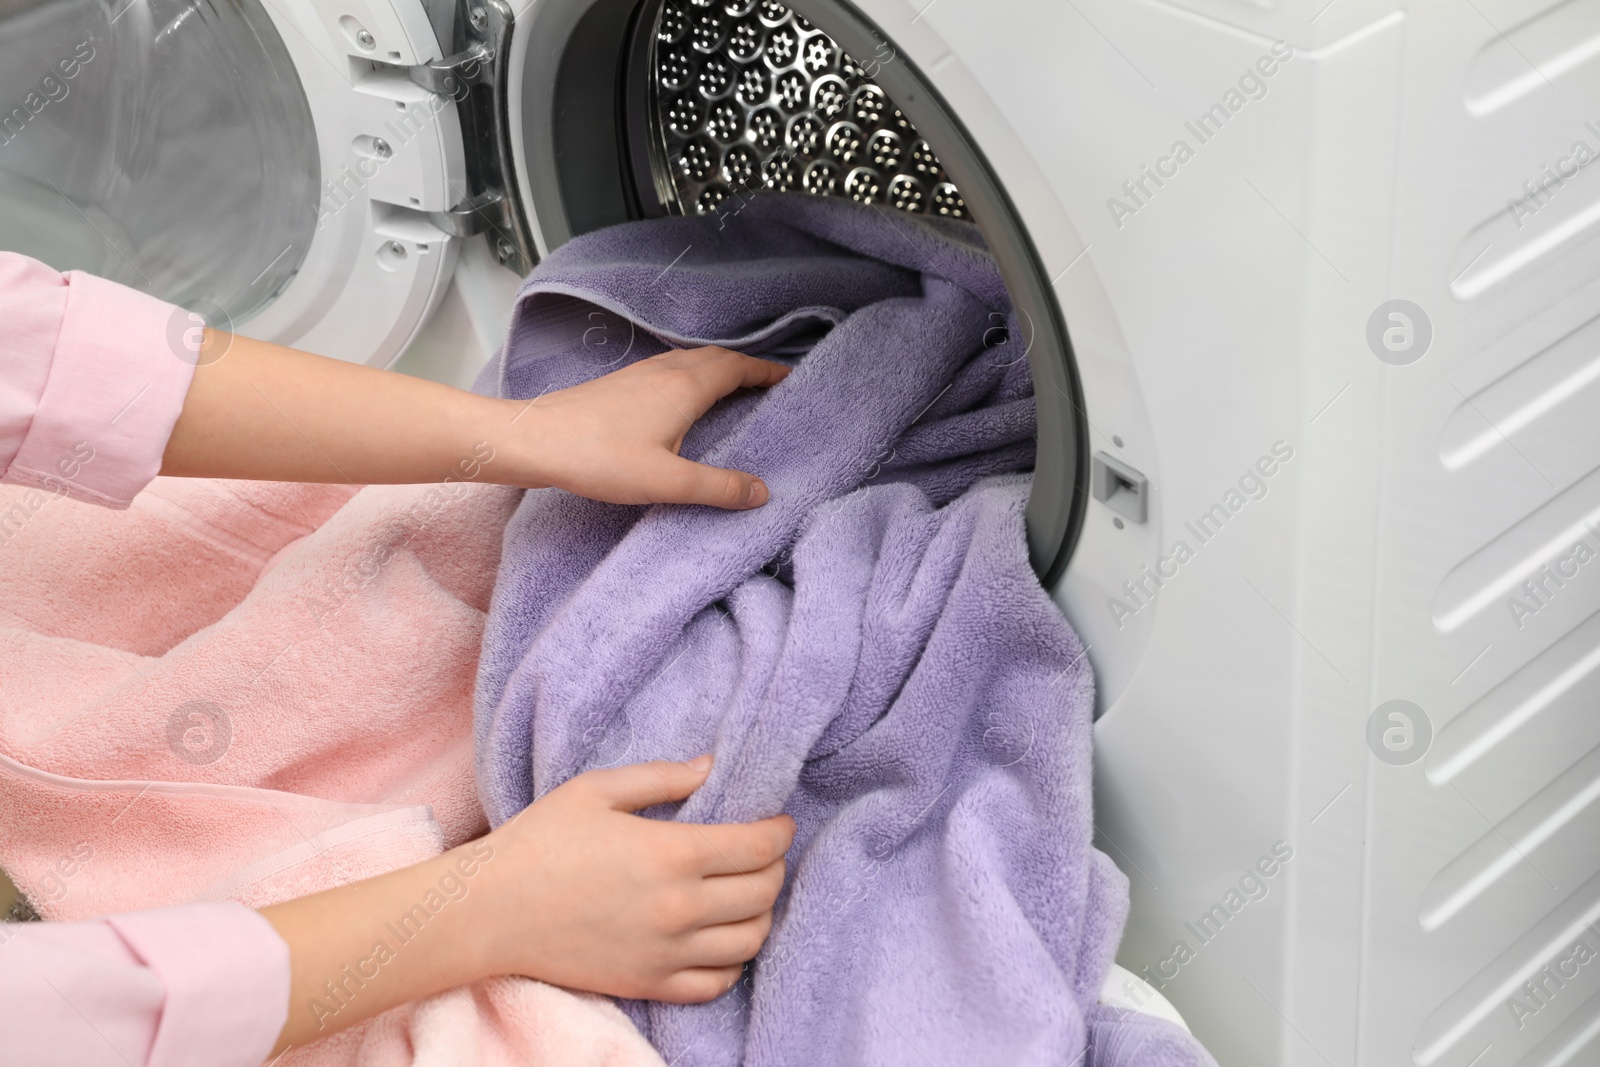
577, 890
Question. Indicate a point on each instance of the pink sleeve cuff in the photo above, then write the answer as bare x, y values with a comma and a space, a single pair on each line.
202, 985
225, 972
122, 365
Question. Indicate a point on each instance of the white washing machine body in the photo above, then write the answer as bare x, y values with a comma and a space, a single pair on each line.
1315, 309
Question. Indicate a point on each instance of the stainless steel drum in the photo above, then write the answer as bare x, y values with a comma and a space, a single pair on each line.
747, 95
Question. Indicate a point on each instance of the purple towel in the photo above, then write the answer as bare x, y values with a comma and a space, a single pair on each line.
869, 652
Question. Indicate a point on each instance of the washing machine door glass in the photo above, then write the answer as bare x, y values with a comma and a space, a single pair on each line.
165, 144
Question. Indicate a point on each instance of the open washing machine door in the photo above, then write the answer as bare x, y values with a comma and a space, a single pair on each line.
294, 170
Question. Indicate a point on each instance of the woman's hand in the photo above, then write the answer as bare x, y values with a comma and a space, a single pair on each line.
576, 890
630, 906
616, 438
260, 410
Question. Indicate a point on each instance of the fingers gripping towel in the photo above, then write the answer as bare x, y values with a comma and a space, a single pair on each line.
869, 652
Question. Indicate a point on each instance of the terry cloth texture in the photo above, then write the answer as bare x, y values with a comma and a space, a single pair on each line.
869, 652
252, 691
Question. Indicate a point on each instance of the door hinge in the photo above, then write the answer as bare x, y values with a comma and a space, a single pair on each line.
454, 75
476, 76
474, 215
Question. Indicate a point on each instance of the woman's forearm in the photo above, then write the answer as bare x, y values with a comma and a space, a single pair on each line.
270, 412
361, 949
260, 410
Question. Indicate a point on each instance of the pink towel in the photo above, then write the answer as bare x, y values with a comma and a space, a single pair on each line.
253, 691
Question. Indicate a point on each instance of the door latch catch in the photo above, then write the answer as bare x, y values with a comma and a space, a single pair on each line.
1119, 487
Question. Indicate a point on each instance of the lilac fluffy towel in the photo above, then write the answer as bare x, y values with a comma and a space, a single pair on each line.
869, 652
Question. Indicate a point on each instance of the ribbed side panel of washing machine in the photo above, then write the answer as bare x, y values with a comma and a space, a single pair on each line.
1482, 945
1442, 781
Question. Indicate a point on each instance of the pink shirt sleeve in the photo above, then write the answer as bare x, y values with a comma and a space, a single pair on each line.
92, 377
203, 985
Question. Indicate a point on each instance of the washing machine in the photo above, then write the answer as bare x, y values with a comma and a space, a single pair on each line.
1312, 301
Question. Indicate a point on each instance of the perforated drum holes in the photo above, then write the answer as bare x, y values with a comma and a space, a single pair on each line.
1399, 732
750, 96
1399, 332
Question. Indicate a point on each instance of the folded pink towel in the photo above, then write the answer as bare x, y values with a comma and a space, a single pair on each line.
252, 691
